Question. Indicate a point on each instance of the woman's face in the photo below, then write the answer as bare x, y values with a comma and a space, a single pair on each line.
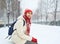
29, 15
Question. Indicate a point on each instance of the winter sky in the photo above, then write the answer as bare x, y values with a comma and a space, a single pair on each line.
33, 4
30, 4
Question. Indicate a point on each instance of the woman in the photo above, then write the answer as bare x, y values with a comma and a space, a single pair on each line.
22, 33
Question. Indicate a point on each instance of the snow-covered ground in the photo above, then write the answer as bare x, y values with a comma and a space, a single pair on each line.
44, 33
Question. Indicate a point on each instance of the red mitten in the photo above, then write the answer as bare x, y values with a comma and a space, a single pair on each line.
34, 40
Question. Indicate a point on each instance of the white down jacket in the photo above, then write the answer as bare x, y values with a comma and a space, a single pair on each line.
19, 36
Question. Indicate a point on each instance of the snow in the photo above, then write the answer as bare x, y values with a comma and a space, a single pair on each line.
44, 33
3, 35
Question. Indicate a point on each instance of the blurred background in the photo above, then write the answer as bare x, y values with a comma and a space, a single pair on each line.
45, 12
9, 11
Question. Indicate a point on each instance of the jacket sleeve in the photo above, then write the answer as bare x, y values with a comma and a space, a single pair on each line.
20, 31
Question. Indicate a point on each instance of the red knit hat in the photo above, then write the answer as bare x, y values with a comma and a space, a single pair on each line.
27, 11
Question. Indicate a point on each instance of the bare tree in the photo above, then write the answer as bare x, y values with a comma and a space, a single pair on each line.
8, 10
3, 8
46, 11
56, 4
40, 9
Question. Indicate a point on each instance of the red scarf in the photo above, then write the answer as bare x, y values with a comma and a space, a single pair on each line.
28, 21
28, 24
